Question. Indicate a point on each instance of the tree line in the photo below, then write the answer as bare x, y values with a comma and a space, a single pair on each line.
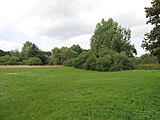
111, 48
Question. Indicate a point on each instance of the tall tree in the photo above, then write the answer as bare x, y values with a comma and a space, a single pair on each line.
29, 49
151, 41
108, 34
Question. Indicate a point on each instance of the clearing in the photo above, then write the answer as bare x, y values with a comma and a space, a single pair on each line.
60, 93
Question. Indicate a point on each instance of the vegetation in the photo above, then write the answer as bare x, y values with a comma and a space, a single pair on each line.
68, 94
152, 39
105, 60
111, 50
59, 56
108, 34
148, 66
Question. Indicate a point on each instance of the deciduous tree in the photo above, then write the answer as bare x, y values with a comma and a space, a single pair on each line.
108, 34
151, 41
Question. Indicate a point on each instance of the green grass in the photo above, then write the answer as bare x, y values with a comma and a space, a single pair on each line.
59, 93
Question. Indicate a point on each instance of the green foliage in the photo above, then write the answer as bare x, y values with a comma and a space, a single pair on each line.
59, 56
62, 93
4, 59
105, 60
91, 62
148, 66
152, 39
3, 53
136, 60
69, 63
76, 48
108, 34
148, 59
104, 63
81, 60
13, 60
121, 62
9, 60
32, 61
29, 49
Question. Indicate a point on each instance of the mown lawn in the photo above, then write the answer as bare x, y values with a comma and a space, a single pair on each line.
59, 93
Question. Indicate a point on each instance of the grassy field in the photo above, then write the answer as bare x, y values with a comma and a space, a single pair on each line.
59, 93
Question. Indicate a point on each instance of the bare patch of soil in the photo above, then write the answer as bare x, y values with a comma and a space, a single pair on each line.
24, 66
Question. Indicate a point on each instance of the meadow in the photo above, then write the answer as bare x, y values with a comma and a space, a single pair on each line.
61, 93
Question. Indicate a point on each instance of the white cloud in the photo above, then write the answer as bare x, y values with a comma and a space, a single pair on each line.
59, 22
9, 45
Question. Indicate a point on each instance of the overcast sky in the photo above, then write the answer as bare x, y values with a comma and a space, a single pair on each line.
57, 23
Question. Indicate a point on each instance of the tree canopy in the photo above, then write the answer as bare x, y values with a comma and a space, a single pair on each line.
110, 35
151, 41
29, 49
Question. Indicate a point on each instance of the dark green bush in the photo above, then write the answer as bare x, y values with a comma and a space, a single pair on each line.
121, 62
81, 60
148, 59
104, 63
32, 61
59, 56
4, 59
13, 61
90, 63
69, 63
105, 60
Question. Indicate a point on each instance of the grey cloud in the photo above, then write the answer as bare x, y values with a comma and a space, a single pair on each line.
131, 19
139, 31
68, 30
56, 8
66, 12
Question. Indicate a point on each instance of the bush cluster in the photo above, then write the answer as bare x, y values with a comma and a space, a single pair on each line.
148, 66
105, 60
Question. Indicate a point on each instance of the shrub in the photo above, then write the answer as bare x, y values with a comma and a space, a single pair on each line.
90, 63
104, 63
148, 66
4, 60
13, 61
69, 63
136, 60
61, 55
81, 60
32, 61
148, 59
121, 62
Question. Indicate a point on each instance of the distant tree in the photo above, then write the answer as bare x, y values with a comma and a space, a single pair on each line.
58, 56
13, 60
148, 59
76, 48
151, 41
44, 56
4, 59
32, 61
15, 53
3, 53
108, 34
29, 49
